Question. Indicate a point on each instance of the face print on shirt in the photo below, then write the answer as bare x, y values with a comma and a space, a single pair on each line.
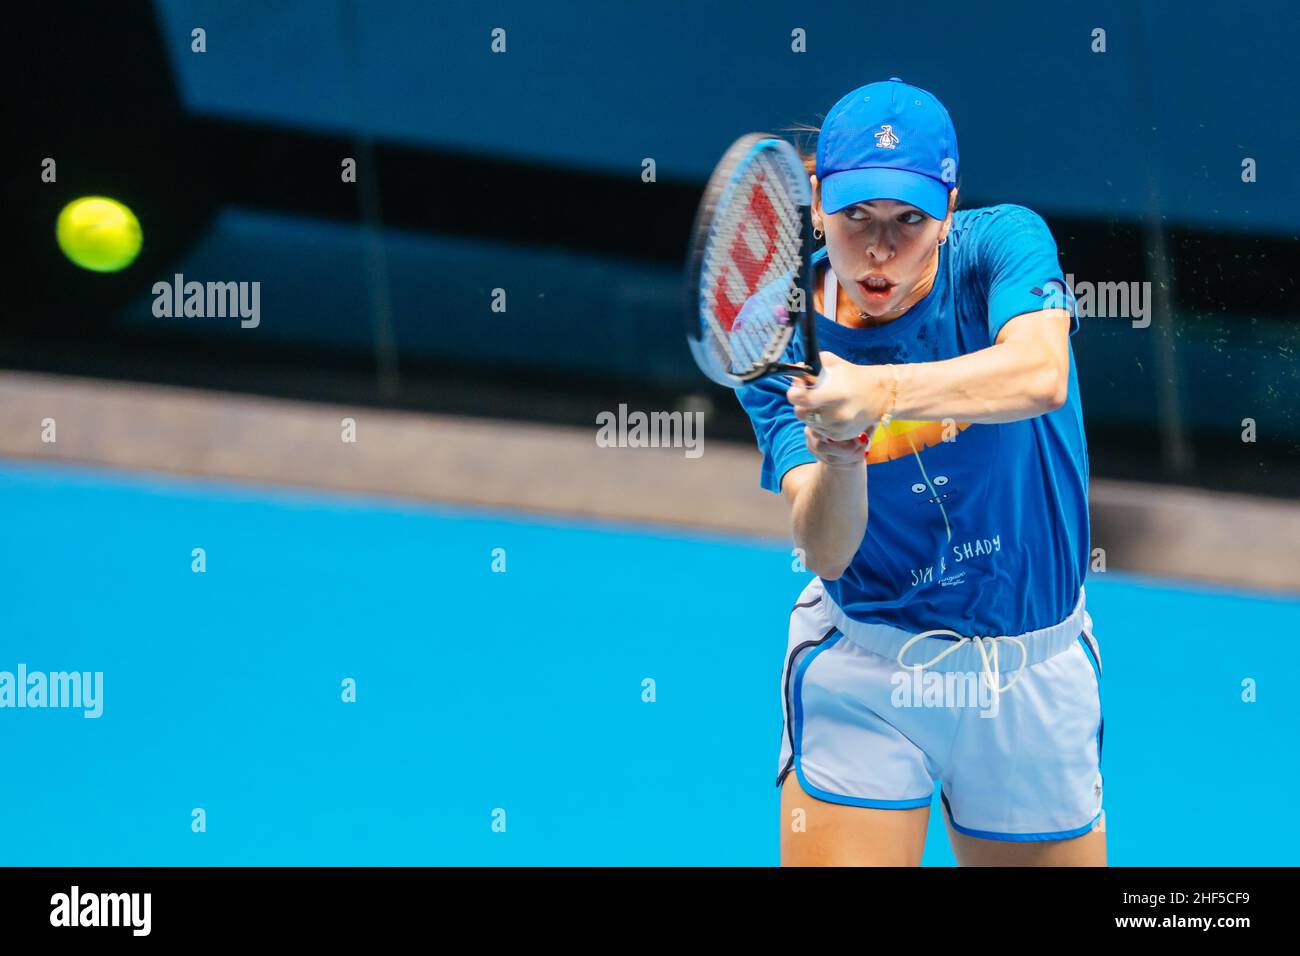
936, 489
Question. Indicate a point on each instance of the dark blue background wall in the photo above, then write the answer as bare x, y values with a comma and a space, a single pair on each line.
1183, 92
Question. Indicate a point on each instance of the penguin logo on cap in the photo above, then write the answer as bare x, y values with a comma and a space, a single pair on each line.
886, 139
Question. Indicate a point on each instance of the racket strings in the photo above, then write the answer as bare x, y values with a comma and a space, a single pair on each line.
752, 261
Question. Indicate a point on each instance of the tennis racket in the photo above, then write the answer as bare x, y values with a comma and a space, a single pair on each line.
749, 298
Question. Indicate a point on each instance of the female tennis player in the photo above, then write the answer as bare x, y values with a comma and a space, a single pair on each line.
938, 481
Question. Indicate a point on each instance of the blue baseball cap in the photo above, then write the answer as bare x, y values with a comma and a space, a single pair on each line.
887, 140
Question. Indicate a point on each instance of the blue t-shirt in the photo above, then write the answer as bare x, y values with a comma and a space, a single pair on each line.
986, 533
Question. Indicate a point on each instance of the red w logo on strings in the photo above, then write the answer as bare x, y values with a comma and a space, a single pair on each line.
749, 255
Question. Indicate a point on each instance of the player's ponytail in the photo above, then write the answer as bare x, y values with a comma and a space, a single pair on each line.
806, 144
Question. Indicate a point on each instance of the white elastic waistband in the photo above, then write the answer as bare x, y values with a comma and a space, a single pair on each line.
945, 650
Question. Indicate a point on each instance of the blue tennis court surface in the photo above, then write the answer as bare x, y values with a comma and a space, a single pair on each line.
482, 693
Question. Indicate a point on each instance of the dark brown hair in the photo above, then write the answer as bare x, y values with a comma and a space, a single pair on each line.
808, 148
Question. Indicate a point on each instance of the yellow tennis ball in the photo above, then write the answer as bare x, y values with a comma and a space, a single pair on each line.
99, 234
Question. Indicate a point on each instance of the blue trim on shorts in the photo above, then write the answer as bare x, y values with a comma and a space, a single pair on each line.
796, 739
787, 721
1096, 668
1017, 837
1101, 711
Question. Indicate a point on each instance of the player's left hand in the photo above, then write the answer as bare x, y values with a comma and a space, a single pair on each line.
848, 402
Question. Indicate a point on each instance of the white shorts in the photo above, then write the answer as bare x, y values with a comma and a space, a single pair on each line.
1021, 764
